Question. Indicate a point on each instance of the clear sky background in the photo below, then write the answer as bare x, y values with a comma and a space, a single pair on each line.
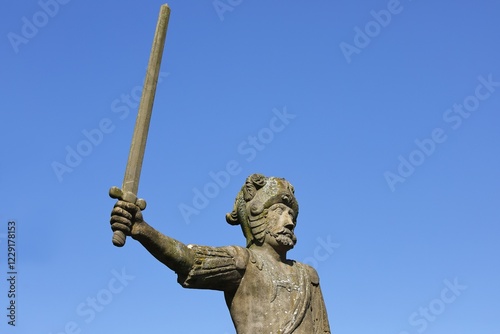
383, 114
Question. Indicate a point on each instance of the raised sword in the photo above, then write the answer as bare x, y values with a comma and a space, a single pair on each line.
130, 185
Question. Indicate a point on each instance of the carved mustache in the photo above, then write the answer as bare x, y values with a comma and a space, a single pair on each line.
285, 232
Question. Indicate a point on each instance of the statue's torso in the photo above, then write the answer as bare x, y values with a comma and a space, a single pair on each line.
272, 297
264, 296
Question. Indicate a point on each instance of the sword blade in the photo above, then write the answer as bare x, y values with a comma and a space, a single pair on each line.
139, 138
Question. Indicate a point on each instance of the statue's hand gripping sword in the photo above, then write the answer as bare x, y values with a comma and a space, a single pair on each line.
130, 185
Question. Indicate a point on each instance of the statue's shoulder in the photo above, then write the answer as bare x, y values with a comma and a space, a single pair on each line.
313, 274
229, 256
240, 255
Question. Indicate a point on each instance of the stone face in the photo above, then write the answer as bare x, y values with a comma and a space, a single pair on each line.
264, 291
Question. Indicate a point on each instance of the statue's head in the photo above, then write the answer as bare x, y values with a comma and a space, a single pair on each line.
258, 194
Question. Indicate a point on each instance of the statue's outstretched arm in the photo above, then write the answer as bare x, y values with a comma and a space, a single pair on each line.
127, 217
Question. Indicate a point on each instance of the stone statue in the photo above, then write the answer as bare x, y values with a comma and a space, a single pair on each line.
265, 292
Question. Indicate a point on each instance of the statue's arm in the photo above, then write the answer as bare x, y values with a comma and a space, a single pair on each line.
172, 253
127, 217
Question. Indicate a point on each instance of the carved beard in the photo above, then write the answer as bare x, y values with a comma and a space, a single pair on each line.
284, 237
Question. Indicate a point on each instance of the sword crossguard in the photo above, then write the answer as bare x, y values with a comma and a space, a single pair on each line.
119, 237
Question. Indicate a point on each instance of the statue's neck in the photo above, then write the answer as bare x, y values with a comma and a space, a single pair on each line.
266, 249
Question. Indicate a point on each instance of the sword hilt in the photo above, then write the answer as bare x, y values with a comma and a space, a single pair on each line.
119, 237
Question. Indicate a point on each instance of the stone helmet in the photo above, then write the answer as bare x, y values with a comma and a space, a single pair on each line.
253, 201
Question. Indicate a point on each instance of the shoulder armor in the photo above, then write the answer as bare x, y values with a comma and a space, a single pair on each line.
313, 274
240, 256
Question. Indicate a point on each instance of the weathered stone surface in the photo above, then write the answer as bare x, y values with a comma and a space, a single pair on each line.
265, 292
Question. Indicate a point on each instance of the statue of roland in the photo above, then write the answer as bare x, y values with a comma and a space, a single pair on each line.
264, 291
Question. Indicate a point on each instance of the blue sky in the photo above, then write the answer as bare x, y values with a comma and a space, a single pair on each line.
383, 114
